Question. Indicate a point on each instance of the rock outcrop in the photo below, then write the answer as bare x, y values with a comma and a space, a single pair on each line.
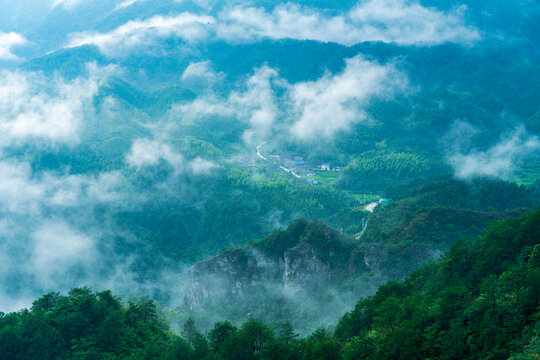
309, 257
233, 273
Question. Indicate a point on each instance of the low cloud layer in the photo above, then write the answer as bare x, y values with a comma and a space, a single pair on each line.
8, 41
333, 103
304, 111
146, 153
142, 33
36, 109
201, 77
125, 4
67, 4
43, 244
498, 160
57, 225
57, 229
392, 21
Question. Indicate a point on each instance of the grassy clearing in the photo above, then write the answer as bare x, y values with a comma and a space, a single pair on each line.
363, 199
528, 172
326, 177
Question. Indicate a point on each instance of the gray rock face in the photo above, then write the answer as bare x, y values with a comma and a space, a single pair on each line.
307, 259
304, 268
231, 273
235, 273
373, 258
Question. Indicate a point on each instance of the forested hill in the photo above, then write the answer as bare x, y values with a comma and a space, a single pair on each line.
309, 266
480, 301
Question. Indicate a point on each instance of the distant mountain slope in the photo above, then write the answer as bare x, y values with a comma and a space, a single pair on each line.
311, 264
155, 104
479, 301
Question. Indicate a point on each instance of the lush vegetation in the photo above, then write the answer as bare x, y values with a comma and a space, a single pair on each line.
480, 301
375, 171
430, 215
123, 166
424, 219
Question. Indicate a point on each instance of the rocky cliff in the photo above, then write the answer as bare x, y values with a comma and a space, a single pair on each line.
306, 257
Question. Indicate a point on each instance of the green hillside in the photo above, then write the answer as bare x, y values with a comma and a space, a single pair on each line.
479, 301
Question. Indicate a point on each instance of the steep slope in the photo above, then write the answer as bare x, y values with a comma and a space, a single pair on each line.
309, 266
300, 266
479, 301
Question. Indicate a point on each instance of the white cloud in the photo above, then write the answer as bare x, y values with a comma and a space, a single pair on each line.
409, 23
201, 74
258, 104
23, 192
39, 243
497, 161
56, 247
34, 108
124, 4
19, 194
140, 33
318, 109
392, 21
9, 41
334, 103
255, 102
70, 190
208, 106
68, 4
145, 152
399, 21
200, 166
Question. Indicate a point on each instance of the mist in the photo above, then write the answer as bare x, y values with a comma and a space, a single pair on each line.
497, 160
128, 136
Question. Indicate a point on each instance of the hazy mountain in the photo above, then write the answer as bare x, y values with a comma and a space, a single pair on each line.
168, 149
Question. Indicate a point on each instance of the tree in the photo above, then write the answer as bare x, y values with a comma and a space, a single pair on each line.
254, 335
221, 331
360, 347
287, 334
190, 331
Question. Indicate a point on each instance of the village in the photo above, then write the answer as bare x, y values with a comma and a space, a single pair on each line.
295, 166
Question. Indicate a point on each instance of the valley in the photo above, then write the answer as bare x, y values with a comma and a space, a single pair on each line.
249, 180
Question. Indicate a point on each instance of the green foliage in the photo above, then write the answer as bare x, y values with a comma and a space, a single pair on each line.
480, 301
430, 215
83, 325
220, 332
373, 171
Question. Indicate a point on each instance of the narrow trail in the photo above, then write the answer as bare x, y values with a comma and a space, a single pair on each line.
259, 151
261, 156
290, 172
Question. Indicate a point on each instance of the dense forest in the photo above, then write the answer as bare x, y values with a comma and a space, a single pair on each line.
312, 266
479, 301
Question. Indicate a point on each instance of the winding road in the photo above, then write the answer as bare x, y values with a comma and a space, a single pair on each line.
259, 151
261, 156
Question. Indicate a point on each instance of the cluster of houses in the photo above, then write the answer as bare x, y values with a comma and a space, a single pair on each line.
295, 165
299, 165
301, 169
